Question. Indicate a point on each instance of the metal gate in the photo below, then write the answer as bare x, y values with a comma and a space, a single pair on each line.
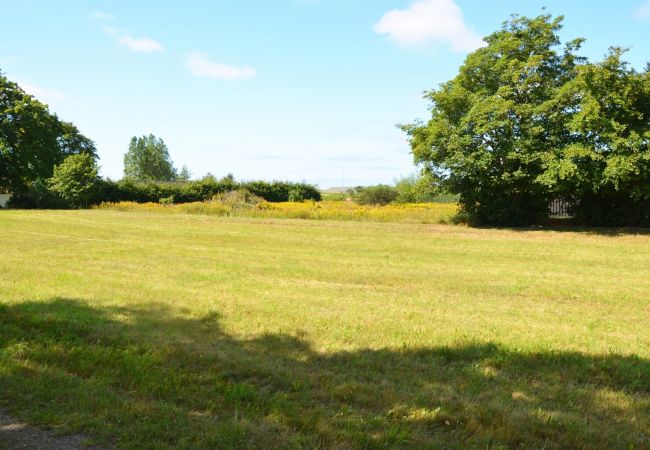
560, 209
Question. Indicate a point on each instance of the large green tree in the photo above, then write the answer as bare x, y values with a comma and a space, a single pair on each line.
32, 140
148, 160
527, 120
493, 124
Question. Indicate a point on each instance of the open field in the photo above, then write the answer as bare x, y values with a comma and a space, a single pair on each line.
146, 330
325, 210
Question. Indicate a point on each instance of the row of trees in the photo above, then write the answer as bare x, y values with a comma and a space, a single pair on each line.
527, 120
46, 162
34, 141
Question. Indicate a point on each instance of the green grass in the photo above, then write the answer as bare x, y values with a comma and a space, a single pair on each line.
174, 331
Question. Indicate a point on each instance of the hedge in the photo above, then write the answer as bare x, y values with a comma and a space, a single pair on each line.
178, 192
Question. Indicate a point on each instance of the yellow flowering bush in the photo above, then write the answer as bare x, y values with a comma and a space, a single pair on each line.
324, 210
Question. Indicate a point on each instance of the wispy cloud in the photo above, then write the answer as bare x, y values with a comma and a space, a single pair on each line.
643, 11
112, 31
100, 15
430, 21
144, 45
200, 65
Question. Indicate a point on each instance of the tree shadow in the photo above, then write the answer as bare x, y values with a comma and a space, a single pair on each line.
558, 228
601, 231
157, 378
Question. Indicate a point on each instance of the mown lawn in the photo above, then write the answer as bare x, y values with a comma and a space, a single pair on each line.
176, 331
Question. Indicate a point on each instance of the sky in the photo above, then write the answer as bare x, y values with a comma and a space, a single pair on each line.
300, 90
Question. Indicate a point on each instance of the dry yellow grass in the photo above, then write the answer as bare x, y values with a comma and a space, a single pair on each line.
325, 210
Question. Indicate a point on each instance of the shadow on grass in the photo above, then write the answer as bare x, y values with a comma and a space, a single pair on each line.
155, 378
601, 231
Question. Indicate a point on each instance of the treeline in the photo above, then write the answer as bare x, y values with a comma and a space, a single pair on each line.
201, 190
41, 196
47, 163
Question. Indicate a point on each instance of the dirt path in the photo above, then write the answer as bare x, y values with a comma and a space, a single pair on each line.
15, 434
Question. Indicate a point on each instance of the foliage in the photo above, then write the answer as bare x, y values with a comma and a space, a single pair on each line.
160, 331
525, 122
196, 190
296, 195
166, 201
148, 160
38, 195
75, 179
279, 191
381, 194
238, 199
492, 125
605, 170
184, 174
418, 188
32, 142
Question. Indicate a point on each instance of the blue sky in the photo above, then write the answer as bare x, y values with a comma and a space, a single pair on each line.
270, 89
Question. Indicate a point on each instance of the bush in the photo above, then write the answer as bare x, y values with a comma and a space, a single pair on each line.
418, 188
74, 183
37, 195
612, 208
167, 201
75, 179
239, 199
279, 191
381, 194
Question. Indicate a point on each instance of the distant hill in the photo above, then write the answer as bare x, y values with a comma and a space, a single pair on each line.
334, 190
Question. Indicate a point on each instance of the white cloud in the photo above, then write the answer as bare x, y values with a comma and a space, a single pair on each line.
111, 30
643, 11
202, 66
429, 20
100, 15
141, 44
144, 45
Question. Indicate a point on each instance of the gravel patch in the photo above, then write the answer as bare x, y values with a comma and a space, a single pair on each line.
18, 435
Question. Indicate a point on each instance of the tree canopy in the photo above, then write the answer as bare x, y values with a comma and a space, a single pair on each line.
528, 120
148, 160
32, 140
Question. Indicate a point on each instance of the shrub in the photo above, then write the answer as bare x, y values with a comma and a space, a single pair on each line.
278, 191
167, 201
417, 188
239, 199
381, 194
37, 195
75, 179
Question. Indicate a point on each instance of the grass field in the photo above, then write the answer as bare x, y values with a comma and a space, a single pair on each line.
147, 330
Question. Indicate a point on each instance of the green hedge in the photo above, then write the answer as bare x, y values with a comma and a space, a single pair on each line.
181, 192
197, 191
